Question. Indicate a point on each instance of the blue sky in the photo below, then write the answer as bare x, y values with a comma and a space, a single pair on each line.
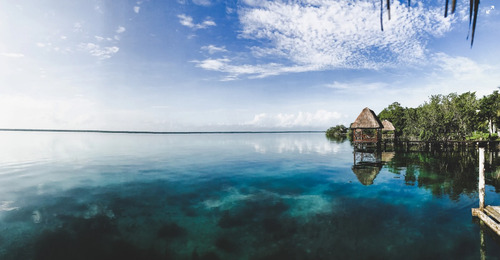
220, 65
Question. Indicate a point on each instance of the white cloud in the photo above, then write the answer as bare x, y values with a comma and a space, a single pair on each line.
490, 9
98, 51
98, 9
188, 22
120, 29
211, 49
461, 74
137, 9
252, 71
202, 2
319, 118
207, 23
341, 34
12, 55
460, 67
312, 35
78, 27
40, 112
338, 85
213, 64
357, 86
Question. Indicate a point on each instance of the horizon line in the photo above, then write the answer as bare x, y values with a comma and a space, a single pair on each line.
154, 132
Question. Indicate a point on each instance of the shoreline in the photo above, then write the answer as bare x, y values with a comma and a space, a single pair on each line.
153, 132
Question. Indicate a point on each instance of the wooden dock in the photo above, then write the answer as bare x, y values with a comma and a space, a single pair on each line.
490, 215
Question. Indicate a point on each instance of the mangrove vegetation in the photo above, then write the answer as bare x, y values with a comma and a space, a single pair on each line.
452, 117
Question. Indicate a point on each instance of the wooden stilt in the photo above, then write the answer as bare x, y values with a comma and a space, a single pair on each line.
481, 179
490, 215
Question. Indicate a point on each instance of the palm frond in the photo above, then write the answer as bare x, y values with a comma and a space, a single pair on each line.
381, 15
473, 12
446, 8
471, 7
474, 21
389, 9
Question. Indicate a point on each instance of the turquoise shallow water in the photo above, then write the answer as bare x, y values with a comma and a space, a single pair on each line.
235, 196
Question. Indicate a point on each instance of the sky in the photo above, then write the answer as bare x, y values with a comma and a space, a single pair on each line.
233, 65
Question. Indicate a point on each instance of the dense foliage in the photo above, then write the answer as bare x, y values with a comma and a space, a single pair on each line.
447, 117
338, 131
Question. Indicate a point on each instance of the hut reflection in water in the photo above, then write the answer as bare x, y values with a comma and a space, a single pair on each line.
367, 164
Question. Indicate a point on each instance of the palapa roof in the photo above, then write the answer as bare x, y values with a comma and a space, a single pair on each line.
366, 173
367, 119
388, 126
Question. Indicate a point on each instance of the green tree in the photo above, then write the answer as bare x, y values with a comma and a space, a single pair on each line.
336, 131
395, 113
489, 107
463, 109
412, 128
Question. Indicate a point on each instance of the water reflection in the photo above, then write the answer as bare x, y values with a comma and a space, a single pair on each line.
368, 163
450, 173
285, 143
237, 197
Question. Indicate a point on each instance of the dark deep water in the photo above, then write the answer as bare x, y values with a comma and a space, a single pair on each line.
235, 196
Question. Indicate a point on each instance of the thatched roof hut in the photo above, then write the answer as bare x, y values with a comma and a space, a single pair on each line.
367, 127
367, 119
388, 126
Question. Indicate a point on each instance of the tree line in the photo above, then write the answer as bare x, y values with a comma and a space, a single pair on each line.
451, 117
447, 117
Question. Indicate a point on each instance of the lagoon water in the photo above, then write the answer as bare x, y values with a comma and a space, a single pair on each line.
235, 196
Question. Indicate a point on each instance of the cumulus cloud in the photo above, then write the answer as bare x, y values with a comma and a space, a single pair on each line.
460, 67
319, 118
98, 51
137, 9
312, 35
120, 29
189, 22
211, 49
458, 74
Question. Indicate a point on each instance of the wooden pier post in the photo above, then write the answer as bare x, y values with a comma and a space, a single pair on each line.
482, 246
481, 179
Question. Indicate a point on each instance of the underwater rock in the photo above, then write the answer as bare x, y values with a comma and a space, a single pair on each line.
94, 210
230, 221
206, 256
36, 216
226, 244
171, 230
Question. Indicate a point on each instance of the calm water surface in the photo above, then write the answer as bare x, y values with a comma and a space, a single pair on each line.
235, 196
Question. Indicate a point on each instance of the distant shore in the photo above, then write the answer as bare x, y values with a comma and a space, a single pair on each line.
152, 132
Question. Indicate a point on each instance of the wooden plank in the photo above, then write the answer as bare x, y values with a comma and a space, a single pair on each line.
494, 212
487, 220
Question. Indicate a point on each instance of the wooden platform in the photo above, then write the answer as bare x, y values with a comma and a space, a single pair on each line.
490, 215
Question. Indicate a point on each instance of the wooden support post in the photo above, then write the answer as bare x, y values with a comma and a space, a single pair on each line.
481, 179
482, 248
